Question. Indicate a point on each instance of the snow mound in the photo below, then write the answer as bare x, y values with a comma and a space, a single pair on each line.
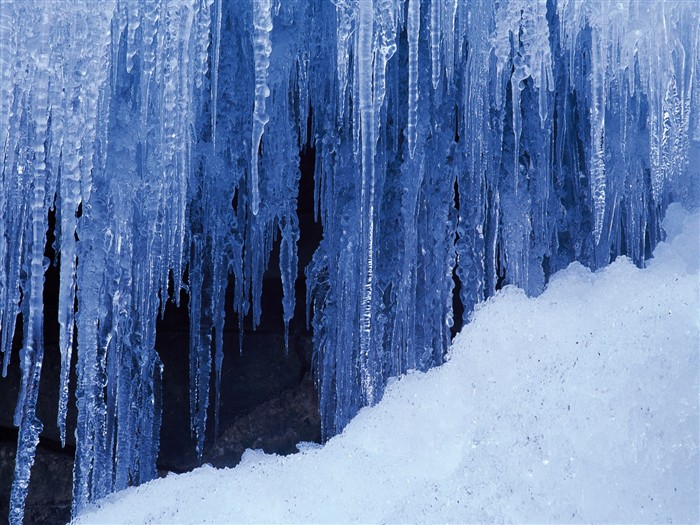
580, 405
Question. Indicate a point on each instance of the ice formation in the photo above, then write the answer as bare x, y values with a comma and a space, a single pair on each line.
496, 140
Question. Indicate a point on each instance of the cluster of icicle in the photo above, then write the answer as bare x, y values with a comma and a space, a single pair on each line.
496, 140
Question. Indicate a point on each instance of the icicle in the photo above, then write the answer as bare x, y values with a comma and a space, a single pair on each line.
7, 51
200, 350
32, 353
133, 21
150, 36
449, 15
288, 271
367, 122
435, 35
215, 72
344, 20
386, 40
597, 153
262, 24
218, 298
77, 167
69, 202
413, 27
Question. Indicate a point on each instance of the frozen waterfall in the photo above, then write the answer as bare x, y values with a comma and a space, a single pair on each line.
472, 141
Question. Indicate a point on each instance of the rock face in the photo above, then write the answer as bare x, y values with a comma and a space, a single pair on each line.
276, 426
268, 401
268, 398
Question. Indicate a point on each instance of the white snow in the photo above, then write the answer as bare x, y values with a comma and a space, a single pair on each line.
580, 405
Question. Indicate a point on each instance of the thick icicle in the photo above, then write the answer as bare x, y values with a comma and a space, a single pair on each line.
367, 121
32, 353
216, 40
345, 18
262, 24
435, 40
7, 51
413, 27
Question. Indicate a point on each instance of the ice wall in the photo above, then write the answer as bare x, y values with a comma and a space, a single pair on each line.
497, 141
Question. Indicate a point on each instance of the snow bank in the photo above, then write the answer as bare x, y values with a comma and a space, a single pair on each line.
580, 405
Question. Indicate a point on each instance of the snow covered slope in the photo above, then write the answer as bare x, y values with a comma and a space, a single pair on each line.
580, 405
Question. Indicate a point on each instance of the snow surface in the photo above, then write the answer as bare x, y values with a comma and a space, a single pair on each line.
580, 405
